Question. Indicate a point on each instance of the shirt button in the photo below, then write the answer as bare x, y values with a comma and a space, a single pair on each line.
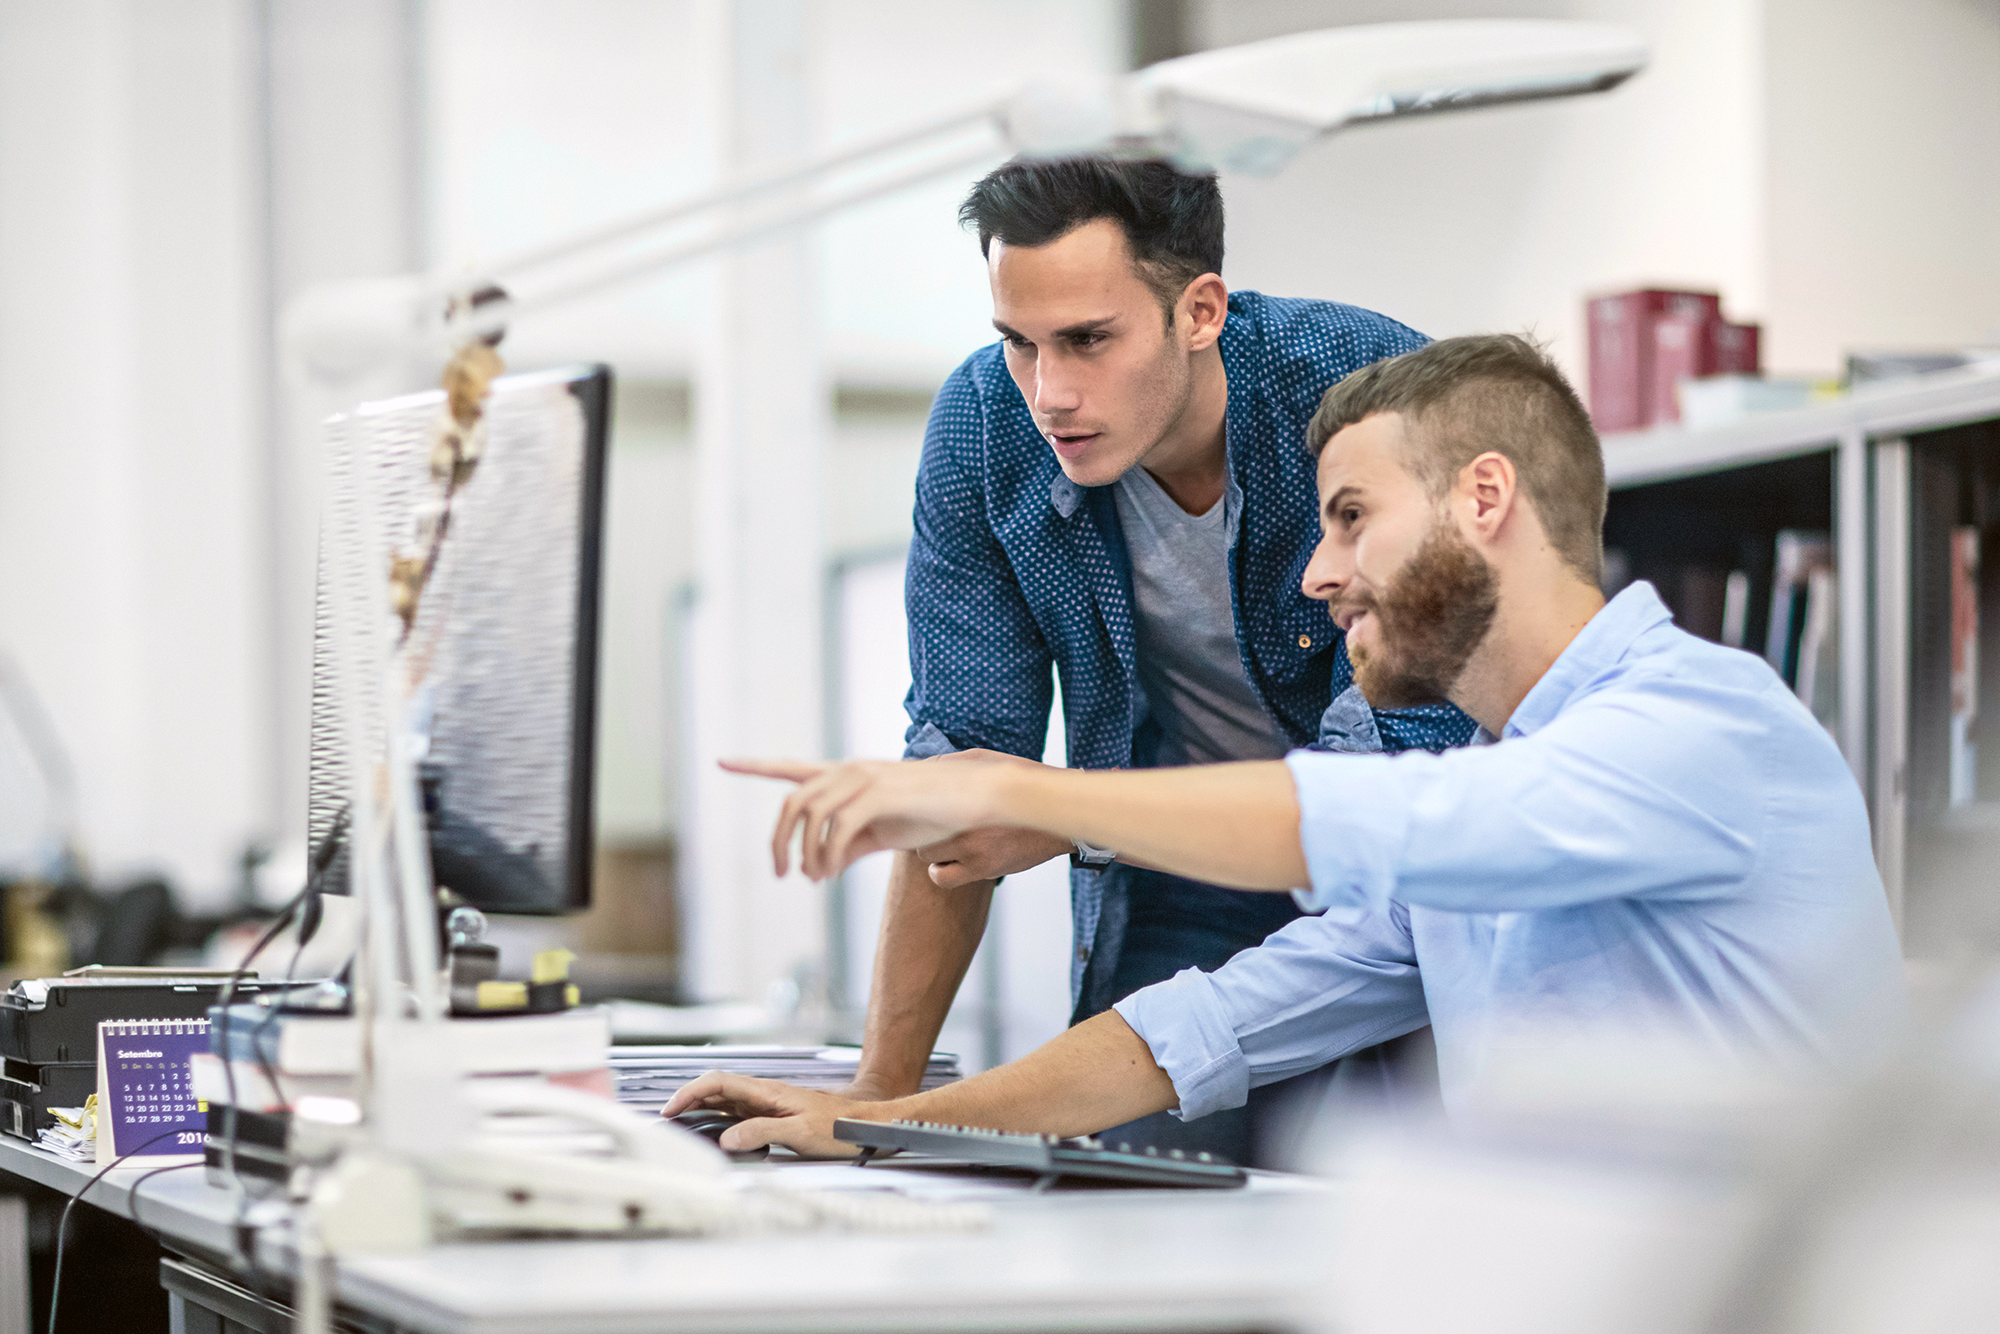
1083, 954
1305, 641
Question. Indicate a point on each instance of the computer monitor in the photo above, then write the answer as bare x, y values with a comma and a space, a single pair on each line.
504, 642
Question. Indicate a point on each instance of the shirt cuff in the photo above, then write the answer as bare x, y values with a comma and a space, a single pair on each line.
1353, 819
926, 740
1184, 1023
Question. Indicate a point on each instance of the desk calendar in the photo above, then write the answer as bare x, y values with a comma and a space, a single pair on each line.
146, 1105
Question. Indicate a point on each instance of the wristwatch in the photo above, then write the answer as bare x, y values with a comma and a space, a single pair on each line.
1090, 855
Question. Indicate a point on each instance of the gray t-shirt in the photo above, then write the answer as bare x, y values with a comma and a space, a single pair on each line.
1186, 628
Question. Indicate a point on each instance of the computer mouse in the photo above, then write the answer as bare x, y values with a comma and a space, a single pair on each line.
710, 1124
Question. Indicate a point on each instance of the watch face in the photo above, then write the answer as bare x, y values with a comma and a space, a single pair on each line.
1088, 854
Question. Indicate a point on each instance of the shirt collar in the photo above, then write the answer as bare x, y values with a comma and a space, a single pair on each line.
1604, 639
1064, 494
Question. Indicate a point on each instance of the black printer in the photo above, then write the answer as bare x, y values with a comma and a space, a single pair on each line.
48, 1030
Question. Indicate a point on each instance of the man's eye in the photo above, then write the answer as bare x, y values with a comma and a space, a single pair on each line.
1350, 516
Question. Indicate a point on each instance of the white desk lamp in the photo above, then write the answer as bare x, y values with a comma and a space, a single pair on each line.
1247, 108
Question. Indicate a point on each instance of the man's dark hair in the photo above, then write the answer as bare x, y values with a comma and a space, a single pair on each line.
1172, 221
1461, 397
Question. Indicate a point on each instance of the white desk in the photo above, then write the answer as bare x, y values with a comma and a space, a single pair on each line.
1124, 1260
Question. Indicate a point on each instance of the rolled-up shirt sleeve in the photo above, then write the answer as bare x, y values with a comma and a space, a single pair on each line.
1311, 993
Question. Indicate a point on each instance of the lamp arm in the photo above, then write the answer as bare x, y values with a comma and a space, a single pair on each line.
490, 317
736, 192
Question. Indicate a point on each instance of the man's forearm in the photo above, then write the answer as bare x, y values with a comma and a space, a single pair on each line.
1094, 1076
927, 942
1224, 824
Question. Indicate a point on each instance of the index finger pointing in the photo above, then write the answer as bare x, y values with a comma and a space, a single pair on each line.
792, 771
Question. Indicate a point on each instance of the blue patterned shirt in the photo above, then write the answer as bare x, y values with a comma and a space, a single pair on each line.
1014, 568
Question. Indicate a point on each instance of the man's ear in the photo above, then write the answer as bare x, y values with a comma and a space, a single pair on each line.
1201, 311
1489, 487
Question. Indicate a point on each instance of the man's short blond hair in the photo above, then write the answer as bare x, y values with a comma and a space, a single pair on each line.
1461, 397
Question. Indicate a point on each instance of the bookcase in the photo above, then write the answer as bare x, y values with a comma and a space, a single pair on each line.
1885, 507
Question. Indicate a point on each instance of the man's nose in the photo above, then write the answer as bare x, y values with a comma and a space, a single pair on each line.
1328, 572
1055, 390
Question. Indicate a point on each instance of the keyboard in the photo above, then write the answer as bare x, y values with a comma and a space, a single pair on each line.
1050, 1155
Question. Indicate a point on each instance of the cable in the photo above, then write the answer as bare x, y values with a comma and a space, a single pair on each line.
170, 1167
304, 904
225, 1001
301, 903
259, 1293
62, 1223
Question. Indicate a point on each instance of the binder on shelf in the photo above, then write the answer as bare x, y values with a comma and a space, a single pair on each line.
1736, 609
1739, 349
1818, 683
1963, 786
1644, 345
1798, 553
1803, 641
1621, 350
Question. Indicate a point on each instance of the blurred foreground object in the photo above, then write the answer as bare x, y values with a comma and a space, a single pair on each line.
1629, 1184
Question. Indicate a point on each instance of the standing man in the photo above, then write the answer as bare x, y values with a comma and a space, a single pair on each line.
1118, 488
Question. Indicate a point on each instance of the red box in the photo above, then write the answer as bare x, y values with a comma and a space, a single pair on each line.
1622, 379
1739, 349
1686, 347
1683, 349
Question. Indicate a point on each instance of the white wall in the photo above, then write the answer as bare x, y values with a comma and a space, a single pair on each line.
342, 187
133, 551
547, 119
1884, 199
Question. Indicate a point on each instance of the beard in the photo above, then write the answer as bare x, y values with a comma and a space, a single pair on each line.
1430, 618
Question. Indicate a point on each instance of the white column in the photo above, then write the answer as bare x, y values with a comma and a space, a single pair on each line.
131, 551
762, 414
343, 93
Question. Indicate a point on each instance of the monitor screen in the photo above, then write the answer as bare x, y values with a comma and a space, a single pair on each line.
498, 667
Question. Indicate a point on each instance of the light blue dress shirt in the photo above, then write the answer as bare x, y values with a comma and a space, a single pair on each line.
1664, 839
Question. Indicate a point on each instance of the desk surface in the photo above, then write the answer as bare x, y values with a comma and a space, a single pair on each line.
1066, 1259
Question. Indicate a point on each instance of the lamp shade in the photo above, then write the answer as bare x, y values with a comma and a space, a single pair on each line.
1252, 107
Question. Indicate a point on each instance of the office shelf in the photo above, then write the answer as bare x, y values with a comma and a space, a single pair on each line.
1921, 403
1891, 473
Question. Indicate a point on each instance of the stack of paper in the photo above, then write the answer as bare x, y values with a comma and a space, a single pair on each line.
647, 1076
74, 1135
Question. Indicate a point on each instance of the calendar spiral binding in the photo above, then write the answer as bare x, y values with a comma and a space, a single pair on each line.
140, 1028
